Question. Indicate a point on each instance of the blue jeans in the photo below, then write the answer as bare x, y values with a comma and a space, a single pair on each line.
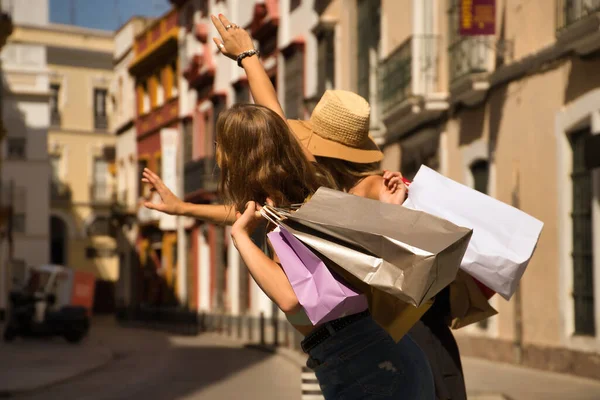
363, 362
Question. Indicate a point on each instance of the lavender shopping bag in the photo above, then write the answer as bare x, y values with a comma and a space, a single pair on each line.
323, 295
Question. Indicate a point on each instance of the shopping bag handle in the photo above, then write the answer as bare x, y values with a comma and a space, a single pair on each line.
271, 215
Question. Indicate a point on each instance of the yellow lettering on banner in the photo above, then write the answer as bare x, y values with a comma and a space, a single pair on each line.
483, 15
467, 17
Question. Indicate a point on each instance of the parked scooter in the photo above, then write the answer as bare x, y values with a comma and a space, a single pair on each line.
34, 310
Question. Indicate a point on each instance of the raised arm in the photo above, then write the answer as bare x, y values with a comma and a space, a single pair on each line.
171, 204
267, 273
235, 41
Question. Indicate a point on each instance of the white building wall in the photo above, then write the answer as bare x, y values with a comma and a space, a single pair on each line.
26, 115
298, 26
127, 177
31, 12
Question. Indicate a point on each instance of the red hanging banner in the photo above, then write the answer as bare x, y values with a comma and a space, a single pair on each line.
477, 17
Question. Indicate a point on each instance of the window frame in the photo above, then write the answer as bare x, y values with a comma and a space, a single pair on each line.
100, 116
568, 119
294, 70
21, 146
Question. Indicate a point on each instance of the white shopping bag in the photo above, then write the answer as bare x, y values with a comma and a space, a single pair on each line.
504, 237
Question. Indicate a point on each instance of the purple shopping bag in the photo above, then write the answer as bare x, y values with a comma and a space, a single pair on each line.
323, 295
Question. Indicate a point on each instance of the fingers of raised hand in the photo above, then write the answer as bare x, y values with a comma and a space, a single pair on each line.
226, 23
219, 25
219, 44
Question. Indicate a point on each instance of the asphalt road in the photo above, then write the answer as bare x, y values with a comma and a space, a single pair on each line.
156, 366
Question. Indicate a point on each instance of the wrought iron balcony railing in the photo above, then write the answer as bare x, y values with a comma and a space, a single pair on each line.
200, 174
55, 119
59, 191
100, 122
471, 55
102, 193
569, 12
412, 69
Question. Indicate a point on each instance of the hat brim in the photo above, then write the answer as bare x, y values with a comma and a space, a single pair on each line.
321, 147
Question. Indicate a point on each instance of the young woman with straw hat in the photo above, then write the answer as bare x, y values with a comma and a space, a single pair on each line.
361, 361
337, 135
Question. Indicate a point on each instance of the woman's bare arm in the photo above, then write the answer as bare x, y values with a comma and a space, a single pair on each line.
235, 41
171, 204
266, 272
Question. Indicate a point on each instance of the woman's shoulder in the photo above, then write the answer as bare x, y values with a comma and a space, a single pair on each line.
368, 187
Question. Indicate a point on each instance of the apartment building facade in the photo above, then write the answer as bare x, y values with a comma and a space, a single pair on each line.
81, 152
513, 114
25, 113
155, 71
123, 100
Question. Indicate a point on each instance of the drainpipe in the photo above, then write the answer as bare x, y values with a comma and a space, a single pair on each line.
518, 307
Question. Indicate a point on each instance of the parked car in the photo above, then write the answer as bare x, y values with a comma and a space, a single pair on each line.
54, 302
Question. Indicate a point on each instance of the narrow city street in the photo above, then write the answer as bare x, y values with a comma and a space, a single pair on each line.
156, 366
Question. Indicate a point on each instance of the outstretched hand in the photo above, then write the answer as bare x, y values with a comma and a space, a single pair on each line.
170, 204
234, 40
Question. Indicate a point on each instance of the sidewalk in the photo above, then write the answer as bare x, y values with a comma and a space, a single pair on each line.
518, 383
29, 364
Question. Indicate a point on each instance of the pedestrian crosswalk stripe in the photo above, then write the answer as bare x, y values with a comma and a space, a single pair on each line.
313, 397
313, 387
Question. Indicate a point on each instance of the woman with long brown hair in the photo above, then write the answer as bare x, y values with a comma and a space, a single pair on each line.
353, 357
262, 161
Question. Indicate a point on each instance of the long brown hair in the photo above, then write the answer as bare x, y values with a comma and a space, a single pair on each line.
259, 158
347, 174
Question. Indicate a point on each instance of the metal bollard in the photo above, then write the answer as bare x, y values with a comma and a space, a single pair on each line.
287, 334
240, 320
262, 328
275, 323
310, 385
250, 335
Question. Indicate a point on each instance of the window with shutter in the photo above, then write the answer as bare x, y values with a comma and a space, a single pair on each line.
583, 251
294, 84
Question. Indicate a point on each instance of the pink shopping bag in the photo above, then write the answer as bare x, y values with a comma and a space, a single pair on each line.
323, 294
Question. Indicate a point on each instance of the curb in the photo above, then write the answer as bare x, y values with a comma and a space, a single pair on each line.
80, 373
488, 396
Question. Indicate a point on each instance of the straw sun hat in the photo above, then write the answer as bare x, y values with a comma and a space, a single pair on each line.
339, 128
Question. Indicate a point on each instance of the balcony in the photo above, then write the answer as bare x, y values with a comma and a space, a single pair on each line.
471, 60
60, 192
408, 87
102, 194
157, 43
100, 122
55, 120
158, 117
200, 176
578, 25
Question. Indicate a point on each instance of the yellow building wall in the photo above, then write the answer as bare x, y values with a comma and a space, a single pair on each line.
521, 118
66, 36
76, 96
77, 142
